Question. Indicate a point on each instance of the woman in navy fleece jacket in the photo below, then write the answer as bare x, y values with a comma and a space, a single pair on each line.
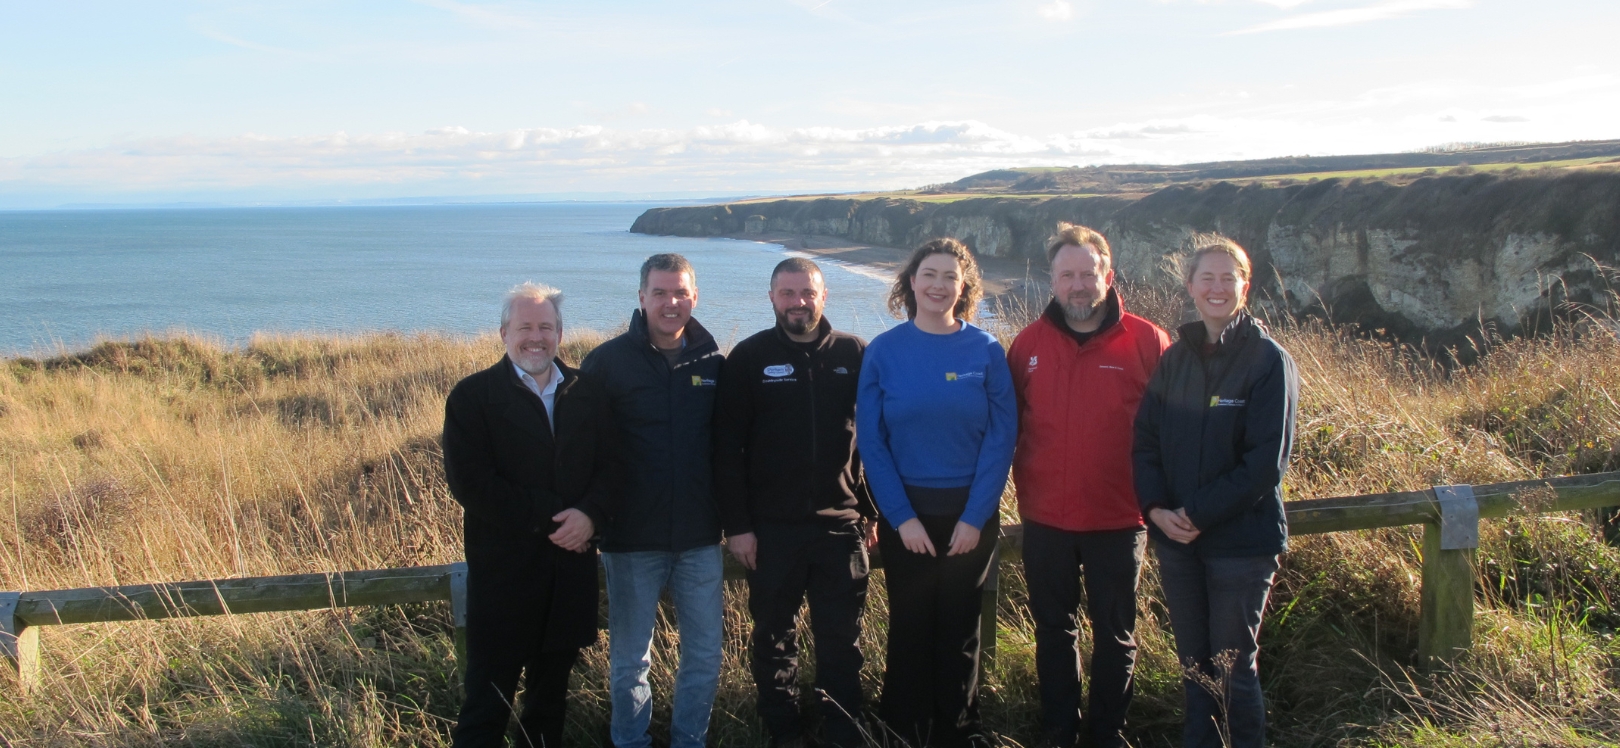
936, 421
1212, 439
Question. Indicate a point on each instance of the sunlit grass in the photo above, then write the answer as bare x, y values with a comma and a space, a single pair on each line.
180, 458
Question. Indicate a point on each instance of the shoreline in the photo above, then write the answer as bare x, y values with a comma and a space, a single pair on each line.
1001, 276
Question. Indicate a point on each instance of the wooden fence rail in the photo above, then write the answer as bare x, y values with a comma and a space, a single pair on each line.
1445, 630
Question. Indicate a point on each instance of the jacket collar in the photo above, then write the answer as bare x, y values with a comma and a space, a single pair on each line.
698, 340
1239, 329
522, 407
1113, 311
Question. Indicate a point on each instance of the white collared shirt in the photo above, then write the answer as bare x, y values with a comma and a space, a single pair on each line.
548, 396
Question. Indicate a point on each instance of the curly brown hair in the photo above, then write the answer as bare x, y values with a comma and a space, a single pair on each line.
902, 300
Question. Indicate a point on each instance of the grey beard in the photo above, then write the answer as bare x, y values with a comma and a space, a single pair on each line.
1078, 313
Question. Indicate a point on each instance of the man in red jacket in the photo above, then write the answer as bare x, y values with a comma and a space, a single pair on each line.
1079, 371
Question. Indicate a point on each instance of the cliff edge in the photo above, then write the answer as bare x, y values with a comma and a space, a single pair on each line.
1434, 258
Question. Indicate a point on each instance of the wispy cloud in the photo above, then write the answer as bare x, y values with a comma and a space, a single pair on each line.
545, 158
235, 41
1057, 10
1350, 16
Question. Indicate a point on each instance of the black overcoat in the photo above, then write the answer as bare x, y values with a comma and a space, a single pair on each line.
511, 474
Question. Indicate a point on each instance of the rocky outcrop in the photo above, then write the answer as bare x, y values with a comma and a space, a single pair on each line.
1434, 258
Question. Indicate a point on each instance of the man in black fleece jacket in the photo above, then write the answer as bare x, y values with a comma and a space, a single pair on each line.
793, 502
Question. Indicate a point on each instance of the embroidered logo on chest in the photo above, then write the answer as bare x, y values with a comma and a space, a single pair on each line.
779, 370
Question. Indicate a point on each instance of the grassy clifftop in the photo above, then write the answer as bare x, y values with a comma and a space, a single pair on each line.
177, 458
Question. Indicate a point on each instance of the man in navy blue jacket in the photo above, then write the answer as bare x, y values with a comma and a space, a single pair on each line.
661, 376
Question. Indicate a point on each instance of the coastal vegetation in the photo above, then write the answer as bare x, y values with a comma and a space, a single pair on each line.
176, 457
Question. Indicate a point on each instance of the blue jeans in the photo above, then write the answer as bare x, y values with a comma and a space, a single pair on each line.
1216, 605
635, 580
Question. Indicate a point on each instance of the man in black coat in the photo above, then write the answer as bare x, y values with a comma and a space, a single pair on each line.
794, 503
528, 453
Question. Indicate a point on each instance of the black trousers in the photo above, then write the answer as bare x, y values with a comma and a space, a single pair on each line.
931, 676
1110, 563
825, 560
504, 642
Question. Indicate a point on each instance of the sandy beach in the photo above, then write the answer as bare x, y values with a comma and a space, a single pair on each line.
1002, 276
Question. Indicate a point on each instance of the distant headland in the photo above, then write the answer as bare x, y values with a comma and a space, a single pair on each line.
1432, 244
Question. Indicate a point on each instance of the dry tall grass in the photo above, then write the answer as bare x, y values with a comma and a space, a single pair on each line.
180, 458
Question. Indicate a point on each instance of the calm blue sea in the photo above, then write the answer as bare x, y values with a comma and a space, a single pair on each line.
68, 278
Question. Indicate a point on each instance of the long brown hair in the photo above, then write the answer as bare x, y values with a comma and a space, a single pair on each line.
902, 300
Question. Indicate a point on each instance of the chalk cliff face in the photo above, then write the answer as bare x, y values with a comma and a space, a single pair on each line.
1433, 258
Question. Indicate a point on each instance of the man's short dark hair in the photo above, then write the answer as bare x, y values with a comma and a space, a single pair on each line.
668, 262
796, 265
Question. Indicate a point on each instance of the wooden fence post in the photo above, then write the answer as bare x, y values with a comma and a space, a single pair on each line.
989, 603
1446, 628
19, 642
458, 611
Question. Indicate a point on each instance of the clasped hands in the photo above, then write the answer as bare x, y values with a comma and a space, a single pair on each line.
1175, 524
575, 532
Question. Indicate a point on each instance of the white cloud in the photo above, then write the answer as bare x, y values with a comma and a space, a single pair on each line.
463, 161
1057, 10
1350, 16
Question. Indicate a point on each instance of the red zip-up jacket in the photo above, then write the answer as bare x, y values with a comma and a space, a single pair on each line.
1076, 406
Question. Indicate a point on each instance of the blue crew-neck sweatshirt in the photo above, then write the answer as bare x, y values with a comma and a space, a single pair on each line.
936, 411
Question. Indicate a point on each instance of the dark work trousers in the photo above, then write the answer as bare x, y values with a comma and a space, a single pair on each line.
1215, 606
503, 641
825, 560
931, 676
1055, 562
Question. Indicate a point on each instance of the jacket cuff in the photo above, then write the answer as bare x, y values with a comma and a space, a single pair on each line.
598, 517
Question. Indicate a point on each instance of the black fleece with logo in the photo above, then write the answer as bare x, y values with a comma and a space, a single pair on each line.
785, 429
664, 413
1213, 433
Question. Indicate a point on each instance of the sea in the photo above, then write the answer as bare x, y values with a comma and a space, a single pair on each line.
70, 278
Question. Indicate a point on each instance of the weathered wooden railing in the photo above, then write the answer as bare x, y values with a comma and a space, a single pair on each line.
1449, 515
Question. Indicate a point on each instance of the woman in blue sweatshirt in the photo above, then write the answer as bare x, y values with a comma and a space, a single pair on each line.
936, 422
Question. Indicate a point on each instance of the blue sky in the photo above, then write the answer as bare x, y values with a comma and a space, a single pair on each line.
267, 102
